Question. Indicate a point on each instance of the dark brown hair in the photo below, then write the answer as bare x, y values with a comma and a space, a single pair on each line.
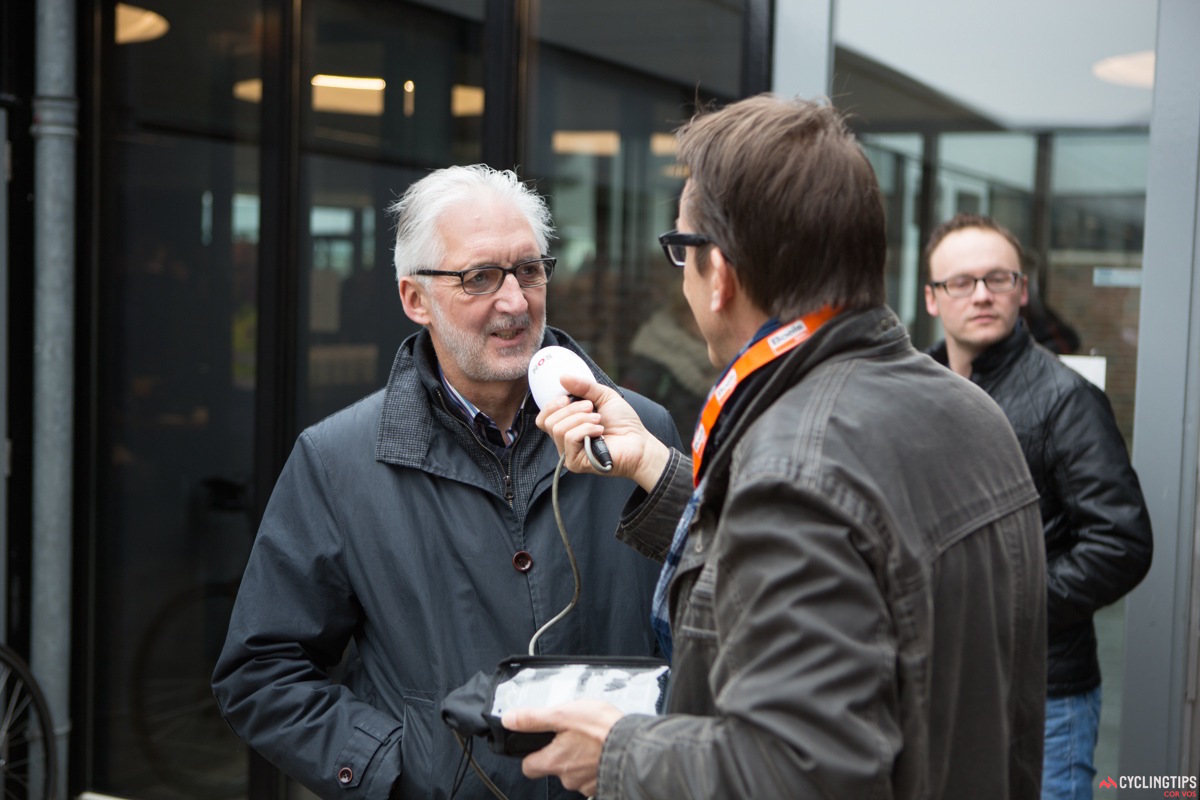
785, 191
961, 222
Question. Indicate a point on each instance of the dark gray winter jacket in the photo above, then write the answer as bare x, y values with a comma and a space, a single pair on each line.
393, 526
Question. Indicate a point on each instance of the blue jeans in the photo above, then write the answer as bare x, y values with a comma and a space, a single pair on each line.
1072, 726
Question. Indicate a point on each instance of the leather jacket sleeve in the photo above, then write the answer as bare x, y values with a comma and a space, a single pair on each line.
1100, 542
811, 713
649, 518
292, 620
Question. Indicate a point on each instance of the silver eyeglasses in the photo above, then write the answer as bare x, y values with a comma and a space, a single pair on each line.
488, 279
998, 282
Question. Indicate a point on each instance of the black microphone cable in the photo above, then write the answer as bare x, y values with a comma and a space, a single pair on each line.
460, 772
562, 532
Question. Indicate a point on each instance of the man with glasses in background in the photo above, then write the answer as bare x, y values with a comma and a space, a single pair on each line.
418, 525
852, 590
1096, 526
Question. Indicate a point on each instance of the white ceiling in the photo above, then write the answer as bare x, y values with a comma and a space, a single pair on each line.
1025, 63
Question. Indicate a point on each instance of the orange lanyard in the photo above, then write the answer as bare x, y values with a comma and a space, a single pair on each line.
764, 351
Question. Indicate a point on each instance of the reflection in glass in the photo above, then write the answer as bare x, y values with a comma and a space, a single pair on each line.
598, 141
1094, 260
176, 348
896, 159
396, 91
1042, 138
397, 81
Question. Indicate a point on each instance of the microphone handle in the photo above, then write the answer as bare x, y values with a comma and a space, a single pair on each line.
596, 449
597, 453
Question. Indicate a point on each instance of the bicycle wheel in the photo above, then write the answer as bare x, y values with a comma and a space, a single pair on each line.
178, 727
27, 751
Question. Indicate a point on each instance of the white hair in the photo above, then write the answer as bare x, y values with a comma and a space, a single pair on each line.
416, 213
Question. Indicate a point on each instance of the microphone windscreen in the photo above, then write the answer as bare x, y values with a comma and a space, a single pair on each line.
547, 366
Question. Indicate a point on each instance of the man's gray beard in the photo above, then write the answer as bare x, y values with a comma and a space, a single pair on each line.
469, 350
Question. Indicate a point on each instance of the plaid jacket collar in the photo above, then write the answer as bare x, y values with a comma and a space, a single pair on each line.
407, 421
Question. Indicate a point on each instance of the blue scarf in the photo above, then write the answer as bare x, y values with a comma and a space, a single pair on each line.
660, 618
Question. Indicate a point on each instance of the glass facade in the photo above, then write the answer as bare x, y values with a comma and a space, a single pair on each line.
602, 106
175, 322
245, 155
388, 92
1045, 141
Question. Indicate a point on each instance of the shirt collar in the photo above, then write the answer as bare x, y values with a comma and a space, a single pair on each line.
484, 425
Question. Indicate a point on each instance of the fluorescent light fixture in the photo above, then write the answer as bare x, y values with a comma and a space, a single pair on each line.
343, 94
1128, 69
586, 143
249, 90
466, 101
347, 82
662, 144
136, 24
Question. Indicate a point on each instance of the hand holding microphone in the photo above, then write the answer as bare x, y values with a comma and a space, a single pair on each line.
635, 452
546, 370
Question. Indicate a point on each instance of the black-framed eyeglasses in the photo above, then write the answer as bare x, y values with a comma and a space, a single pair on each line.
998, 281
675, 245
488, 279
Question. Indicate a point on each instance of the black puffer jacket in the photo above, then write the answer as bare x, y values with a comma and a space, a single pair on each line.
1098, 540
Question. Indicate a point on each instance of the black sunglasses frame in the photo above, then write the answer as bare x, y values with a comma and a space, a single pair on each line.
672, 239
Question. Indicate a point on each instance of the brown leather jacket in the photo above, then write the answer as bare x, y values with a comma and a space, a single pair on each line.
859, 610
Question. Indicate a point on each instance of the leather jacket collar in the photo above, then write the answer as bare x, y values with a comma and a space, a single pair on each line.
996, 359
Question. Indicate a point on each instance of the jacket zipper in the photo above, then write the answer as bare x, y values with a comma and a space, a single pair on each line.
505, 470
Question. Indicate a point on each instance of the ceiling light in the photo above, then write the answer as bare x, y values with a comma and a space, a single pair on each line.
586, 143
343, 94
1130, 69
138, 24
466, 101
249, 90
347, 82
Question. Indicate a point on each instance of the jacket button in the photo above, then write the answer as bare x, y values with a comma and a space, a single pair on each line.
522, 561
345, 775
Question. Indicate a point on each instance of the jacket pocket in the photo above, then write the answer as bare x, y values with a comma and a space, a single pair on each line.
694, 635
417, 755
697, 613
369, 736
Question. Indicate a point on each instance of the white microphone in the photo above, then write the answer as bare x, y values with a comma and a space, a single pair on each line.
546, 368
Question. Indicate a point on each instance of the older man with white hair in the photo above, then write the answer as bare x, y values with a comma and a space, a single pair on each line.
418, 524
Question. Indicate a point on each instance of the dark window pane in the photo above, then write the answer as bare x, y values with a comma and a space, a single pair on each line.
610, 82
416, 103
178, 325
401, 82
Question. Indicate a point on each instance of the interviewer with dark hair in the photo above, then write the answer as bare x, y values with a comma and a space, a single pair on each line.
852, 591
